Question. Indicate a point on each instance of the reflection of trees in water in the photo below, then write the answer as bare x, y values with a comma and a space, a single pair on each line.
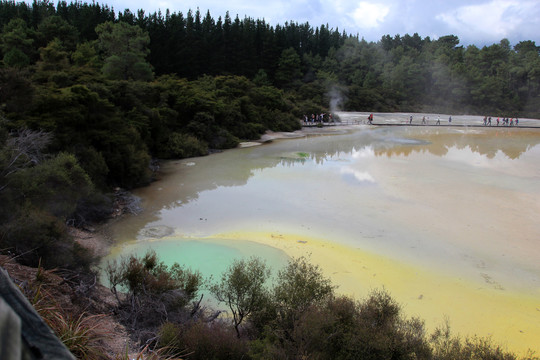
512, 142
224, 171
392, 142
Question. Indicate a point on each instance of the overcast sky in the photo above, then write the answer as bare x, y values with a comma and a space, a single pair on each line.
478, 22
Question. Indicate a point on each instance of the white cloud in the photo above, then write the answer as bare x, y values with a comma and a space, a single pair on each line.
360, 176
369, 15
496, 19
480, 22
363, 153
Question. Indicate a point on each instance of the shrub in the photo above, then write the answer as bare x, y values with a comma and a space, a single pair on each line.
36, 236
181, 146
446, 346
148, 275
299, 285
242, 288
341, 328
80, 333
95, 207
55, 185
169, 338
155, 291
222, 139
382, 332
212, 341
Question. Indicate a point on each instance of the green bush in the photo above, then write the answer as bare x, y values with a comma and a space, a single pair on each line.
222, 139
179, 146
446, 346
214, 341
36, 236
146, 276
169, 338
55, 185
242, 289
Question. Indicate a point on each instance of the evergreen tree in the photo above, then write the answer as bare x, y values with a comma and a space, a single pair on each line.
125, 48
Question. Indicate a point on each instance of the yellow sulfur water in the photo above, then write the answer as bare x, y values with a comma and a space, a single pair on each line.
509, 318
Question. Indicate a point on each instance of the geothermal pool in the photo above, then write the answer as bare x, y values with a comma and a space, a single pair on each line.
444, 218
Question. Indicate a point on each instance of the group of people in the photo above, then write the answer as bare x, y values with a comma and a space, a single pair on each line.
425, 120
317, 118
322, 118
503, 121
487, 121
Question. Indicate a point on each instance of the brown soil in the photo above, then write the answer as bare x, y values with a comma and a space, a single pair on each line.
93, 240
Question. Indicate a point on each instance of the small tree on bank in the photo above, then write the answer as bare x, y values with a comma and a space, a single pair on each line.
242, 288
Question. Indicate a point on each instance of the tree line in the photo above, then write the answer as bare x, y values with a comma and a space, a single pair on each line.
399, 73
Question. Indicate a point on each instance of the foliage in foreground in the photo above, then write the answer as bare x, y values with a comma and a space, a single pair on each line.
154, 293
80, 331
295, 315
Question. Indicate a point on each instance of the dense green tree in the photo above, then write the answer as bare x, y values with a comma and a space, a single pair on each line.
78, 117
242, 288
288, 70
397, 73
55, 185
55, 27
39, 195
86, 54
53, 65
16, 43
299, 285
17, 90
125, 47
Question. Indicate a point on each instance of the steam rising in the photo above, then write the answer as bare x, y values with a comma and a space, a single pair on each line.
336, 99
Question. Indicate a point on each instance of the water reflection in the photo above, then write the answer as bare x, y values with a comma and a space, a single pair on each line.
235, 168
406, 141
511, 142
354, 176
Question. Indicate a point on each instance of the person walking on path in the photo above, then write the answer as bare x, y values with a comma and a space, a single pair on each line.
438, 120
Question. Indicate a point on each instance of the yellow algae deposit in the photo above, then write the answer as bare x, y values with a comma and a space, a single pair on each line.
510, 319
